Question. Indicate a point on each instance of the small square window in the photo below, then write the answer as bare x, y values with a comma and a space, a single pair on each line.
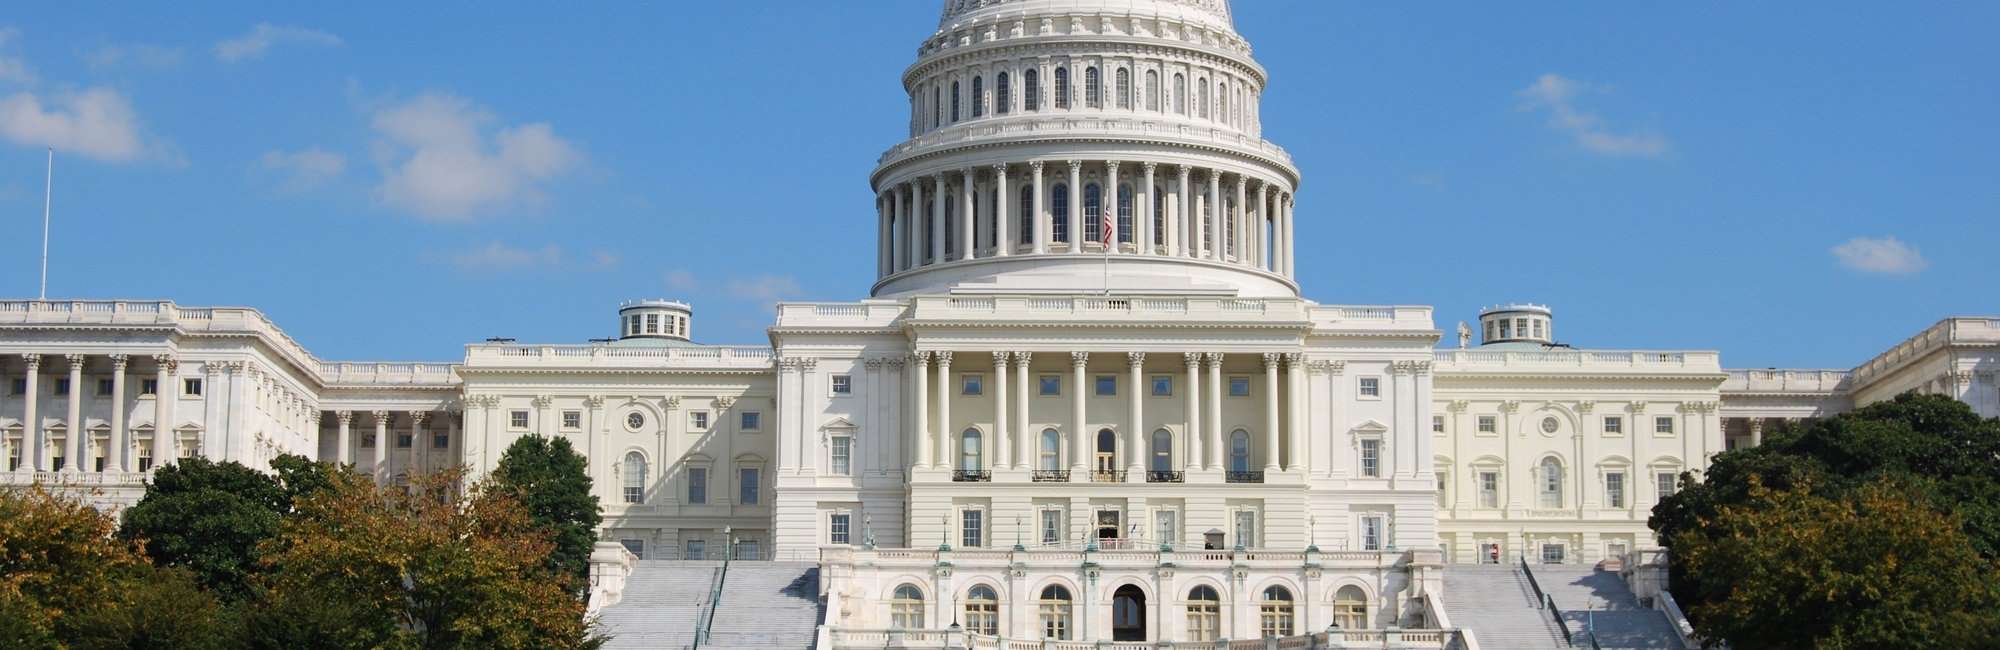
1437, 424
1614, 425
698, 420
1371, 387
1666, 483
843, 385
191, 387
62, 387
403, 441
1663, 424
1163, 385
1239, 386
572, 419
517, 419
104, 388
146, 386
751, 421
1051, 385
1489, 424
441, 441
1106, 385
972, 385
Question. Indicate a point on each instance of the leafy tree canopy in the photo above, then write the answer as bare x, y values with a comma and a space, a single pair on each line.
552, 481
209, 517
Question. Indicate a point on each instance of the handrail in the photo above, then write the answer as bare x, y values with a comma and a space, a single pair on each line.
1545, 601
703, 623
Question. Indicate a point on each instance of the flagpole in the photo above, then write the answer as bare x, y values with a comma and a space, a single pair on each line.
48, 192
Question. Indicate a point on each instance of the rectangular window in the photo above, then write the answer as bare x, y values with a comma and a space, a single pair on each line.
1489, 424
636, 546
1052, 527
1371, 458
972, 385
368, 441
20, 386
62, 387
1666, 481
1552, 554
842, 455
1163, 385
1107, 385
404, 440
652, 323
1614, 489
1371, 386
517, 419
1166, 526
746, 486
104, 388
1437, 424
1663, 424
1489, 489
146, 387
1239, 386
836, 528
751, 421
1051, 385
843, 385
972, 528
1246, 528
1614, 425
572, 419
698, 420
1371, 533
748, 549
441, 441
697, 485
697, 549
191, 388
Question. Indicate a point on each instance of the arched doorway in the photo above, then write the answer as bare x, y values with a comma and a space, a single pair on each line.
1128, 614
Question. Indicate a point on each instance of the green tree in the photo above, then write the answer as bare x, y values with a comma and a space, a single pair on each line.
152, 608
66, 581
208, 517
552, 481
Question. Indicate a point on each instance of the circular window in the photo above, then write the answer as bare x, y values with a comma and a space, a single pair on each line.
635, 420
1549, 424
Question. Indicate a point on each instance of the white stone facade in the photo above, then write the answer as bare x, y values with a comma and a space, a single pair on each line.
1032, 397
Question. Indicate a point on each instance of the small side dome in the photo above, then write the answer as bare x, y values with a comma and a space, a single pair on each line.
1517, 323
655, 318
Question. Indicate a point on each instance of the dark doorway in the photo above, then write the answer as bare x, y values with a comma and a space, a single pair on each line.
1128, 614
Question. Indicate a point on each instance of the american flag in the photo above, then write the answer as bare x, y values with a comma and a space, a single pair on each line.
1109, 225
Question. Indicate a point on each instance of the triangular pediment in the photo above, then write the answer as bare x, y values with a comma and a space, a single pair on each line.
1370, 426
838, 424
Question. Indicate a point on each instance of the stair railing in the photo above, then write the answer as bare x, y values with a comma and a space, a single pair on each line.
706, 619
1544, 601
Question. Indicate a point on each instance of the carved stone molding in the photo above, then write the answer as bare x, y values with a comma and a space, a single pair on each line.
118, 362
594, 401
943, 358
1458, 405
1135, 359
724, 402
345, 417
1022, 359
671, 403
1510, 406
1271, 360
1079, 359
1586, 406
1193, 359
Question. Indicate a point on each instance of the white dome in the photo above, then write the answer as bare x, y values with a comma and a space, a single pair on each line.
1210, 14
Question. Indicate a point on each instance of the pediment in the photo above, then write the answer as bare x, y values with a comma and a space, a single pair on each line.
838, 424
1370, 426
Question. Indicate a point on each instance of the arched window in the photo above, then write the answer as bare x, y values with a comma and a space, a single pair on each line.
1163, 451
1062, 87
978, 96
1222, 100
1239, 451
1204, 614
1055, 613
1051, 453
1159, 216
1093, 213
1031, 89
1059, 210
1229, 224
1107, 451
1093, 89
1202, 101
1026, 213
950, 226
982, 611
1124, 88
1152, 90
1003, 98
954, 102
1124, 214
1276, 613
992, 220
969, 449
937, 105
1552, 483
1180, 93
906, 609
1350, 608
635, 477
923, 230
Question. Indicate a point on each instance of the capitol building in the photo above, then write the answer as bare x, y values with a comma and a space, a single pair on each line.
1086, 399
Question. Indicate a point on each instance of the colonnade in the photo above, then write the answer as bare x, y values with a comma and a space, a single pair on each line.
1014, 444
37, 448
1174, 211
385, 435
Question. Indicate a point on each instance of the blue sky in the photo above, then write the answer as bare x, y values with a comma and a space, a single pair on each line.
1792, 185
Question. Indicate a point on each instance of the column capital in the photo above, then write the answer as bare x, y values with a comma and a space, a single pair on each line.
1073, 164
723, 402
119, 361
543, 401
381, 417
1111, 165
670, 403
417, 418
1295, 359
967, 172
920, 358
999, 169
1000, 358
1242, 181
1035, 166
1135, 359
1148, 166
75, 360
1271, 360
1193, 359
1458, 405
167, 361
943, 358
34, 361
345, 417
1586, 406
1021, 359
594, 401
1214, 359
1079, 359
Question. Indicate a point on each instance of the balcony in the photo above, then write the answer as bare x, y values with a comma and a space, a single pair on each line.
1162, 476
1244, 477
1050, 476
1108, 476
971, 476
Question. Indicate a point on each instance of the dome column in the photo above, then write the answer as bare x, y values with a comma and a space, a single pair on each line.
968, 208
913, 232
1239, 215
1263, 238
883, 264
1040, 208
1216, 234
935, 224
1110, 226
1074, 219
1146, 211
1184, 212
899, 229
1002, 201
1288, 203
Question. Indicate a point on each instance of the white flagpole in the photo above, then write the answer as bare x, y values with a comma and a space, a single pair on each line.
48, 192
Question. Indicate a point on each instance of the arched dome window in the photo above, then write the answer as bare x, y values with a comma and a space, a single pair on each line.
1153, 90
1228, 224
1093, 213
1204, 614
1552, 483
970, 450
906, 608
1202, 102
982, 611
1180, 93
1026, 213
950, 226
1239, 451
1055, 612
978, 96
1003, 99
1163, 451
635, 477
954, 102
1062, 87
1124, 78
1159, 216
1059, 210
1275, 612
1222, 100
1031, 89
1124, 214
1051, 452
1093, 89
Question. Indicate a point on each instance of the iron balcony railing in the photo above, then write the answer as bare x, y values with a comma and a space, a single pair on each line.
1245, 477
971, 476
1050, 476
1165, 476
1108, 476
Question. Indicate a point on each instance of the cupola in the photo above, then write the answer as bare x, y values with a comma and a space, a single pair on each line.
655, 318
1517, 323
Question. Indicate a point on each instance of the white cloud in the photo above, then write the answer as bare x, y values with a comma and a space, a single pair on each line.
1887, 255
13, 69
501, 257
306, 168
144, 55
1557, 95
766, 289
97, 123
261, 37
605, 260
681, 280
438, 165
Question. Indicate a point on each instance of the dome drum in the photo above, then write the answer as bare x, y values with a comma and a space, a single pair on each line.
655, 318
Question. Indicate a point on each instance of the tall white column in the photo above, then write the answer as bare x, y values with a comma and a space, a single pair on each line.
35, 439
1271, 411
1192, 432
1002, 444
943, 441
79, 439
1003, 200
1295, 412
1214, 429
935, 224
1146, 212
899, 229
163, 408
920, 382
345, 439
1135, 396
1024, 434
1188, 225
1075, 218
121, 440
1079, 438
914, 225
1111, 216
1217, 241
1041, 210
1291, 245
380, 470
968, 242
453, 438
1260, 255
417, 442
1238, 217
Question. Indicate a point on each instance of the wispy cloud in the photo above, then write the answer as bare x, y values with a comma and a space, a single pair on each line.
13, 69
680, 280
764, 289
265, 35
1887, 255
144, 55
306, 168
498, 256
97, 123
439, 165
1557, 95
